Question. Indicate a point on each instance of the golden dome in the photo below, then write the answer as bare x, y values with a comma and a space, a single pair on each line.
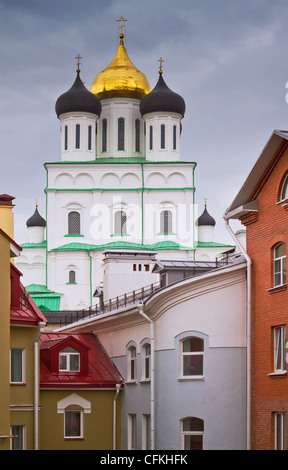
120, 78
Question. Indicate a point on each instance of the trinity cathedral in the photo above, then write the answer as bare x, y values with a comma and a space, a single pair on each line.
119, 199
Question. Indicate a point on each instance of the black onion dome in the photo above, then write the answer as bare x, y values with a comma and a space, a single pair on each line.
36, 220
161, 98
205, 219
78, 98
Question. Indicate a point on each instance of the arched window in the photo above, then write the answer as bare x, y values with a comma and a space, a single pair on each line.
121, 129
66, 138
104, 135
192, 434
74, 223
284, 190
280, 264
174, 137
120, 220
192, 357
132, 367
146, 358
72, 277
77, 137
150, 137
166, 222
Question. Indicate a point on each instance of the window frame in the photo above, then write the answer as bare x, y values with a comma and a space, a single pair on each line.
146, 362
132, 432
23, 362
122, 222
68, 356
166, 222
22, 438
279, 434
72, 277
77, 136
185, 354
121, 134
279, 348
77, 230
185, 433
81, 424
283, 196
104, 134
131, 364
282, 261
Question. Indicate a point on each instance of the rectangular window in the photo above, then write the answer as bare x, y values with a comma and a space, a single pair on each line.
162, 136
137, 135
279, 431
279, 348
192, 357
146, 433
18, 441
17, 365
121, 130
174, 137
89, 137
132, 432
66, 138
150, 138
77, 137
73, 424
104, 135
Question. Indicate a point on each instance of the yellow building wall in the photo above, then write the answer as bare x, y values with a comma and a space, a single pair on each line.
22, 395
7, 219
98, 425
4, 340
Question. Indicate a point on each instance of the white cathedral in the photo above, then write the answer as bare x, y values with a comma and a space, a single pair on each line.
120, 199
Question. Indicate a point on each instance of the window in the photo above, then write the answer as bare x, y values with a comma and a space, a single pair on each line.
174, 137
104, 135
120, 219
137, 135
77, 137
192, 357
66, 138
121, 123
284, 192
279, 431
150, 137
162, 136
89, 137
17, 365
74, 223
279, 348
73, 424
18, 442
280, 264
72, 277
69, 360
146, 351
132, 367
192, 434
132, 432
166, 222
146, 433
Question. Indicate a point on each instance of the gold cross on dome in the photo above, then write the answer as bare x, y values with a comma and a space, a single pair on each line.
78, 62
122, 25
36, 201
161, 62
205, 202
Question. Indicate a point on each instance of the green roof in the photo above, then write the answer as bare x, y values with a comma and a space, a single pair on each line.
166, 245
34, 245
211, 245
44, 298
112, 160
39, 289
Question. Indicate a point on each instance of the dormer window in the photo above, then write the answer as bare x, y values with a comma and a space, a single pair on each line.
69, 360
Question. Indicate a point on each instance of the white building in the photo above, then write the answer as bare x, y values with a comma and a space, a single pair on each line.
120, 184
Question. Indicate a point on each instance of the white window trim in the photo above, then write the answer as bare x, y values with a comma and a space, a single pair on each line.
23, 365
68, 354
282, 416
146, 431
129, 363
279, 258
279, 347
81, 412
144, 358
24, 440
183, 377
188, 433
132, 431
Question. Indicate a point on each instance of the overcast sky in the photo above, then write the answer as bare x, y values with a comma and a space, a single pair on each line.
227, 58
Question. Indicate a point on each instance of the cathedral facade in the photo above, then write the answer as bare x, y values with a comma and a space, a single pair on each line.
120, 184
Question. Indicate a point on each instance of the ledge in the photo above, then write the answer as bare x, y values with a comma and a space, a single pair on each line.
273, 290
283, 373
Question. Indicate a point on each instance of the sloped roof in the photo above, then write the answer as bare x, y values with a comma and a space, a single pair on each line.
102, 372
28, 313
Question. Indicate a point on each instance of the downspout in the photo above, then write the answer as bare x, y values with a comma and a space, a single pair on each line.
152, 381
248, 327
90, 277
118, 386
36, 386
142, 205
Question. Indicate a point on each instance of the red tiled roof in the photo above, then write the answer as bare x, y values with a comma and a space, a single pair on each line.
28, 313
102, 372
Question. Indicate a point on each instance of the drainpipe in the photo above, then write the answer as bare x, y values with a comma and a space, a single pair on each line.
248, 327
36, 386
152, 381
118, 386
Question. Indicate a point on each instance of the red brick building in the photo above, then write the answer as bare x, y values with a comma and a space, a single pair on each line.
262, 206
